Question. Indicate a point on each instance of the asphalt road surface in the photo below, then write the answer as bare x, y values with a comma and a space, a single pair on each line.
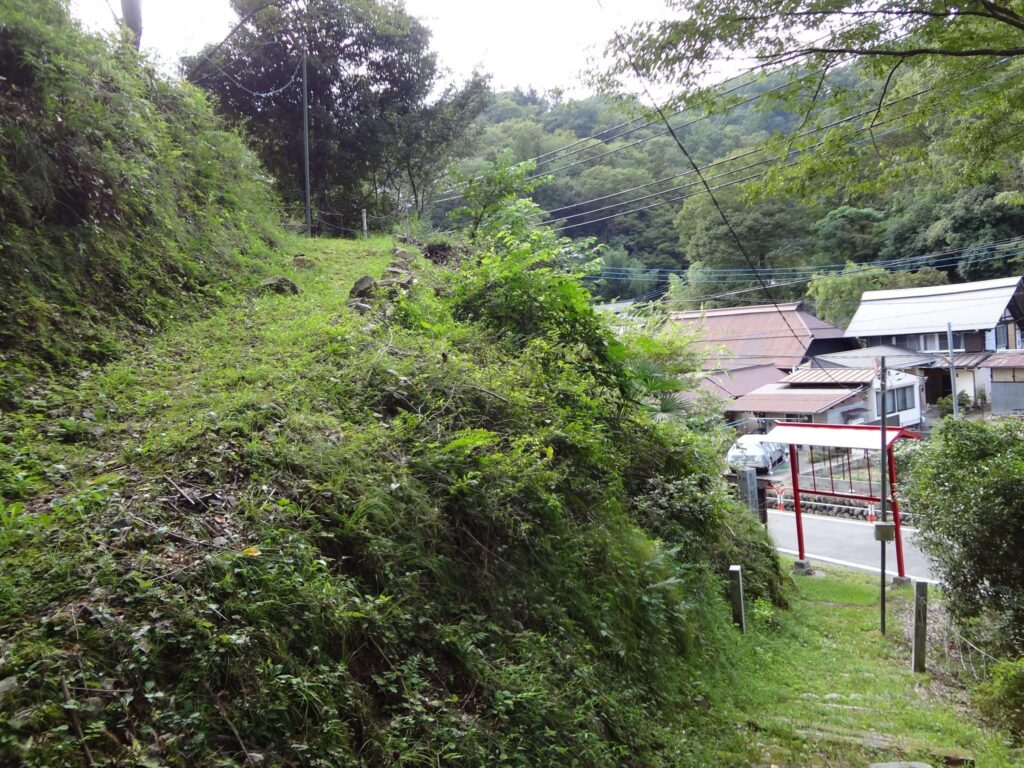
846, 542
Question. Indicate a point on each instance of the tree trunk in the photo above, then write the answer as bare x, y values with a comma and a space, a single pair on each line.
131, 15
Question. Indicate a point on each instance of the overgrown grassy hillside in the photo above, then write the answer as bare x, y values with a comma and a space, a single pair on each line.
123, 199
438, 533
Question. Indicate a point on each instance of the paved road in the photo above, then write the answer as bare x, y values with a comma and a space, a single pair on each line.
845, 542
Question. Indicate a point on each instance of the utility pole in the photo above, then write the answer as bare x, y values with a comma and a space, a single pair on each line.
882, 502
305, 142
952, 369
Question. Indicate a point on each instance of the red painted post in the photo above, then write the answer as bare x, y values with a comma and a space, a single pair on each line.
814, 474
896, 515
794, 469
831, 477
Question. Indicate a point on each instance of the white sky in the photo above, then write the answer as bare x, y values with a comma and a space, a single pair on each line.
541, 43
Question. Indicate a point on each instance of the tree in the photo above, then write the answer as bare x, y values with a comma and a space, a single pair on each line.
131, 14
425, 136
370, 76
921, 64
774, 234
835, 297
847, 233
966, 488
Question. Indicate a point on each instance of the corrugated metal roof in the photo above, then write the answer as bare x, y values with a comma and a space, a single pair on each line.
968, 306
743, 337
857, 436
895, 357
1008, 359
962, 360
778, 398
830, 376
736, 382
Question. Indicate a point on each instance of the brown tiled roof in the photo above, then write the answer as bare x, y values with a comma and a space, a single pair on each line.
741, 337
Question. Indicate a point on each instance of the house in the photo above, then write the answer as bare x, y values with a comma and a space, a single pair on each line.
1007, 384
751, 347
832, 396
986, 317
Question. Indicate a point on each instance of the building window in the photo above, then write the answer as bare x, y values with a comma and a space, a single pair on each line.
1002, 338
901, 399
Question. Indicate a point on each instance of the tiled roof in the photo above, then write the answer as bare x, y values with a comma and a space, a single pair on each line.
743, 337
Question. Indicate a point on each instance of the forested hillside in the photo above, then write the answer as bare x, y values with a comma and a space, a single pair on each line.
622, 180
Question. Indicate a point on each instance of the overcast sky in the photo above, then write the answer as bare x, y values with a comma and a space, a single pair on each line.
540, 43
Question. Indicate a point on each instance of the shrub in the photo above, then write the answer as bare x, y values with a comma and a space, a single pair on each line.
1001, 697
966, 488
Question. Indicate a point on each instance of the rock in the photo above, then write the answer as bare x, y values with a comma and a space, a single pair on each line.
396, 271
900, 764
279, 284
88, 415
701, 703
301, 261
360, 306
832, 696
7, 686
363, 287
402, 253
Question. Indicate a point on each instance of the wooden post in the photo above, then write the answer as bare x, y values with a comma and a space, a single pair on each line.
366, 231
739, 617
920, 625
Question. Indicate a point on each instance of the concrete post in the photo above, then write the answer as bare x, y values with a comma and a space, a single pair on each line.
920, 625
739, 616
747, 481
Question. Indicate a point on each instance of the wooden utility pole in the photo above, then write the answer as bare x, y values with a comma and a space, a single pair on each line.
305, 143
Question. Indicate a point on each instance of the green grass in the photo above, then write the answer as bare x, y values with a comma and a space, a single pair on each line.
813, 681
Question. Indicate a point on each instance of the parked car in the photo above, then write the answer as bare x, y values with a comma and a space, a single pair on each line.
754, 451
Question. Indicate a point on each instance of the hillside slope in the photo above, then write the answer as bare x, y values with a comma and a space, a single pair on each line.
124, 202
294, 534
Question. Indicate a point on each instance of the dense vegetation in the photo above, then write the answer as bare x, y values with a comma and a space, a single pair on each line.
123, 199
444, 531
849, 215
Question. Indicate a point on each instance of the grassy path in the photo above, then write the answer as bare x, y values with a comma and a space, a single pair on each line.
824, 688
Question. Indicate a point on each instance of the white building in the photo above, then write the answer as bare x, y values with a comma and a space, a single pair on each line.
986, 317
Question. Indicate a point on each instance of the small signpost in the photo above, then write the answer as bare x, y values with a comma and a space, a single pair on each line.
739, 617
920, 625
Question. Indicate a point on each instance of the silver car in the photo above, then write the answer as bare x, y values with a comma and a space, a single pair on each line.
754, 451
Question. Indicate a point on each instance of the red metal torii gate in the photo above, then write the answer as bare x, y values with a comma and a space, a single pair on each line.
848, 436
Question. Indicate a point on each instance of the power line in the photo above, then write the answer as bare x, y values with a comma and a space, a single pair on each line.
714, 200
906, 264
872, 137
